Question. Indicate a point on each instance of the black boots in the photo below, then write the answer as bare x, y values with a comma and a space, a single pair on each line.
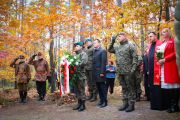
23, 96
124, 106
76, 107
41, 98
80, 106
94, 98
130, 108
138, 97
173, 107
100, 103
104, 104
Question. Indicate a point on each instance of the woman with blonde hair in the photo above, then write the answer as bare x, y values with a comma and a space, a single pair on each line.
170, 80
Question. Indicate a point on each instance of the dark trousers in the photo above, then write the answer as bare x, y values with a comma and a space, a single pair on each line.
172, 96
110, 84
146, 86
41, 88
102, 89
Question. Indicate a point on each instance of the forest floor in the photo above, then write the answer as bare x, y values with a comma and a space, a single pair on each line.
50, 110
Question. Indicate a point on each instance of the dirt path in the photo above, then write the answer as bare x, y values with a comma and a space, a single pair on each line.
36, 110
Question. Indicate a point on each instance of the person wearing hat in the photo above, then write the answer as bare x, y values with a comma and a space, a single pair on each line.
92, 89
80, 82
23, 75
42, 71
126, 61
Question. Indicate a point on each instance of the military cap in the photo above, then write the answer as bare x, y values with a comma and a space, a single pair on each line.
88, 39
79, 43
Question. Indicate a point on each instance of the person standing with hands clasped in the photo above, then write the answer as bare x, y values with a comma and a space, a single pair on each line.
99, 72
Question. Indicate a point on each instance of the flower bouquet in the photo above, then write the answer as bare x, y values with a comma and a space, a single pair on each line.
159, 54
73, 62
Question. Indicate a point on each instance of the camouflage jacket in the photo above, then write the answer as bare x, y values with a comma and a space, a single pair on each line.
41, 67
82, 63
22, 72
177, 31
126, 56
89, 52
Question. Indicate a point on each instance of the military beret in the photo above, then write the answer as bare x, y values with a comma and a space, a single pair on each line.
88, 39
79, 43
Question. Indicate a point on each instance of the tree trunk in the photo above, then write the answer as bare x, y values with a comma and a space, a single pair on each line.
142, 40
52, 64
160, 14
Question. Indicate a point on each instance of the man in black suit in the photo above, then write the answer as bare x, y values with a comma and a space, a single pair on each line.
99, 71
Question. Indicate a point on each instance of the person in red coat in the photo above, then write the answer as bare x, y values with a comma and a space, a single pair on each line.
170, 80
156, 93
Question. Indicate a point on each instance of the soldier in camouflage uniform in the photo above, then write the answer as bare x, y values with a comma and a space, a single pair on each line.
80, 83
138, 76
126, 61
23, 76
90, 82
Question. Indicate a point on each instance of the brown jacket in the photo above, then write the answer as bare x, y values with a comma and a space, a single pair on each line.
22, 72
41, 67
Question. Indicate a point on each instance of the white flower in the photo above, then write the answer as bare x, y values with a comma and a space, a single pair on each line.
159, 50
76, 63
71, 60
75, 57
67, 56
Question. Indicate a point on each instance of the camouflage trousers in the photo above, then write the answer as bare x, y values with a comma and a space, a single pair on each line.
127, 83
138, 79
80, 86
92, 89
22, 87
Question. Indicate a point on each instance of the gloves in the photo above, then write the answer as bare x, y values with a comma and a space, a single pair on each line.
113, 39
34, 55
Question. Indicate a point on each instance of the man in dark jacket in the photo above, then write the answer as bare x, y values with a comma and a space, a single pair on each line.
99, 71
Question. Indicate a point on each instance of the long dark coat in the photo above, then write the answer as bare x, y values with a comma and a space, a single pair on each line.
99, 64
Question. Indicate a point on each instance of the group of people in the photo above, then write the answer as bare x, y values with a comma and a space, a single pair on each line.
161, 79
23, 75
100, 74
162, 82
